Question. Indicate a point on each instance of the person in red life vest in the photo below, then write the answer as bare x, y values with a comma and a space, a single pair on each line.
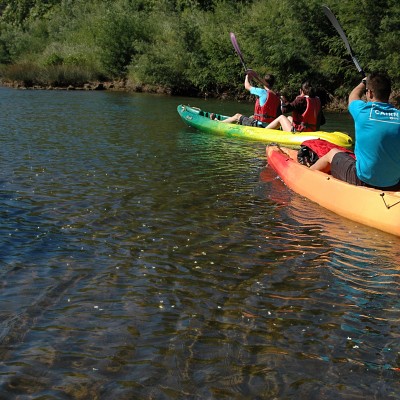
267, 107
307, 115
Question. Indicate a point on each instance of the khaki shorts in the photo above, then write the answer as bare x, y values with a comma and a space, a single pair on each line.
343, 167
250, 121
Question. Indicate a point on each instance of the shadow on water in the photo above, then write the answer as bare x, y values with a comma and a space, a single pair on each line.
142, 259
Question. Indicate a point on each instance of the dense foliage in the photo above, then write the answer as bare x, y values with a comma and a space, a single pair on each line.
184, 46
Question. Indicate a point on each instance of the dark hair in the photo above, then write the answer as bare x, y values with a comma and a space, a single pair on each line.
270, 79
308, 89
379, 83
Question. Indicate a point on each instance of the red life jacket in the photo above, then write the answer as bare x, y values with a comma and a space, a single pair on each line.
308, 121
313, 149
269, 111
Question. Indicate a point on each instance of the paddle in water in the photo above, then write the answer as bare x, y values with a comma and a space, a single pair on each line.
339, 29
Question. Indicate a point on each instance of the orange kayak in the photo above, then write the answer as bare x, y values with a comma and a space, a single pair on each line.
372, 207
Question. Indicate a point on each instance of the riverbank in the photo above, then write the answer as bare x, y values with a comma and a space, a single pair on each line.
333, 104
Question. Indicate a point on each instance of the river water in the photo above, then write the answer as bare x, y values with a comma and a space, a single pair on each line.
141, 259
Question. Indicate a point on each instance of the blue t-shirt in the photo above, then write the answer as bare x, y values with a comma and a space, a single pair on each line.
261, 93
377, 142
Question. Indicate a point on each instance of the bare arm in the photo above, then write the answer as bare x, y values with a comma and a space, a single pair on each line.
357, 93
299, 104
247, 83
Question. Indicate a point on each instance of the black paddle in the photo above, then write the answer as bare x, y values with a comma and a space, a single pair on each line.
337, 26
239, 53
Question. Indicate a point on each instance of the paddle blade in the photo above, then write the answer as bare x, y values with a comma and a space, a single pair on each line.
339, 29
237, 49
251, 73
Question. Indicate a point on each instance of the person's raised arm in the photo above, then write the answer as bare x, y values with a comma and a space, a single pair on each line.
358, 92
247, 84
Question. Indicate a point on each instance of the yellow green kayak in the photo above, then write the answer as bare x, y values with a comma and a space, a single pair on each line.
199, 119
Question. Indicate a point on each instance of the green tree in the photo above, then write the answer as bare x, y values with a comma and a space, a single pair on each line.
184, 46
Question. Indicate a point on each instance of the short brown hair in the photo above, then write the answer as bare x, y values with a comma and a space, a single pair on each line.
308, 89
379, 83
270, 79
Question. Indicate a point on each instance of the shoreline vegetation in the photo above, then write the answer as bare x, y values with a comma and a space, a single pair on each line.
333, 105
182, 47
123, 85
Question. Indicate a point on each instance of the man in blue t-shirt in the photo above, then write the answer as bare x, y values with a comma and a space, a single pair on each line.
377, 139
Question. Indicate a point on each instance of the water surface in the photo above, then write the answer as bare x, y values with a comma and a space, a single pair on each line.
142, 259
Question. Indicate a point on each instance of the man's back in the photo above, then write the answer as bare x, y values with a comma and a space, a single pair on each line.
377, 142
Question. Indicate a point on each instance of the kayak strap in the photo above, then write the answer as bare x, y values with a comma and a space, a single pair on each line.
388, 206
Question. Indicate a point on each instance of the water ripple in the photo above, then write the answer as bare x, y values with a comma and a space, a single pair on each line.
147, 260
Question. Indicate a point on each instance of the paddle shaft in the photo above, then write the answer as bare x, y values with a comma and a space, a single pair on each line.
339, 29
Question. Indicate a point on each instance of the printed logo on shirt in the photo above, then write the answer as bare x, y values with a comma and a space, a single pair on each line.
381, 115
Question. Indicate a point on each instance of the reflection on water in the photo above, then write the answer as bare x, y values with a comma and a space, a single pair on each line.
142, 259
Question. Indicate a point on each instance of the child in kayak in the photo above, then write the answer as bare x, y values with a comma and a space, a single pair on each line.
307, 115
267, 107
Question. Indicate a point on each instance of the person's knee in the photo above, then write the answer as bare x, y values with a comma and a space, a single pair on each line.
285, 123
331, 153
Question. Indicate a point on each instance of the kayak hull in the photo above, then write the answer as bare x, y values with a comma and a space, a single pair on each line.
375, 208
199, 119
